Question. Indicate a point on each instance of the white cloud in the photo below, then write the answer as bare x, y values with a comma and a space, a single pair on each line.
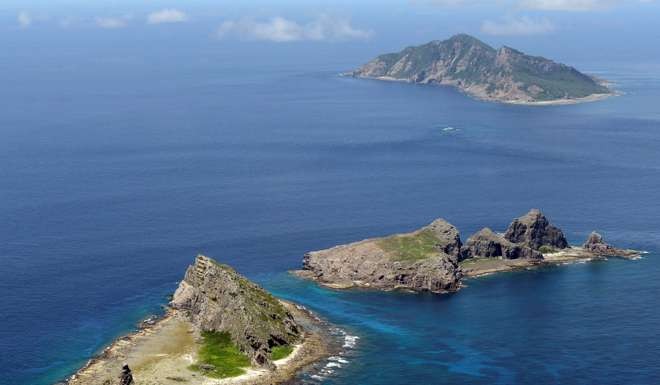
112, 22
567, 5
169, 15
24, 19
517, 26
279, 29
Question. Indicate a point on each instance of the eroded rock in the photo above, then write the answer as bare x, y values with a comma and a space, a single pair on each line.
371, 263
534, 230
217, 298
488, 244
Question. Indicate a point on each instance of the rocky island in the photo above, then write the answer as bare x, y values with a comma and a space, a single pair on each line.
220, 329
434, 259
479, 70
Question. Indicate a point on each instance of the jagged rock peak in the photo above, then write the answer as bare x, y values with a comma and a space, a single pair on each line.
487, 244
217, 298
597, 245
534, 230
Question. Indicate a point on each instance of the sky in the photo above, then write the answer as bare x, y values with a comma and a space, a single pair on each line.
566, 30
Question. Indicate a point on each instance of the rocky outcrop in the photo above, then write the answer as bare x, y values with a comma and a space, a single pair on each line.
448, 237
216, 298
480, 70
595, 244
487, 244
534, 230
424, 260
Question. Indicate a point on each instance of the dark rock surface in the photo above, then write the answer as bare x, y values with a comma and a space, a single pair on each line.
217, 298
534, 230
487, 244
598, 246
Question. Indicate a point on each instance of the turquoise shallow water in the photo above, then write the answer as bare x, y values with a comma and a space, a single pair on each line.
108, 192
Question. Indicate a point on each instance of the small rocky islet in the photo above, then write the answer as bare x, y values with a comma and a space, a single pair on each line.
220, 328
434, 259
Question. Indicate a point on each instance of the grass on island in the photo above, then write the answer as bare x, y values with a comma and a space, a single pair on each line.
545, 249
281, 351
219, 357
411, 247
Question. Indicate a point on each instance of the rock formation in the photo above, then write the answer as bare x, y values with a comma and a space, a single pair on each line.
217, 298
487, 244
595, 244
448, 237
480, 70
534, 230
424, 260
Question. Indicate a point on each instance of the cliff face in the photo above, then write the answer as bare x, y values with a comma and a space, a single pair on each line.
480, 70
217, 298
487, 244
595, 244
534, 230
424, 260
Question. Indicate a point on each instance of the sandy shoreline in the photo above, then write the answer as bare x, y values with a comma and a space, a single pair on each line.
160, 354
481, 267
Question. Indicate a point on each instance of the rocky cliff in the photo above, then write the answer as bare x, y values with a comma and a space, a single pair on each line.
482, 71
424, 260
216, 298
595, 244
534, 230
487, 244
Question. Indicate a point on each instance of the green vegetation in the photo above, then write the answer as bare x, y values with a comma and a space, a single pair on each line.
410, 247
219, 357
281, 351
545, 249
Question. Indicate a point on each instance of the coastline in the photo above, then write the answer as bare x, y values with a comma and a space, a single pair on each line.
481, 267
159, 353
540, 103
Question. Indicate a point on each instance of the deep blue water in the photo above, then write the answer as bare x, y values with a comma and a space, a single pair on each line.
114, 173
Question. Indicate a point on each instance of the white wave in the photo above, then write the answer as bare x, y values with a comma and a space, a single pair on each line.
333, 365
338, 359
350, 341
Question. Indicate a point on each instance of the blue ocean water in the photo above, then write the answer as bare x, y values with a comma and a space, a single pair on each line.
116, 172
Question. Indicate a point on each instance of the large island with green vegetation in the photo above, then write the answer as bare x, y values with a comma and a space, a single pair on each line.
479, 70
221, 329
434, 258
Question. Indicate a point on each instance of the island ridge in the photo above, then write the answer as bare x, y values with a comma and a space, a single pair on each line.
481, 71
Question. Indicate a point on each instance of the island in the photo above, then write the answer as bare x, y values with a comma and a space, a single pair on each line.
434, 259
481, 71
220, 328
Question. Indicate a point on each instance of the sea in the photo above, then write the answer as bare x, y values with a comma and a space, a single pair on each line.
117, 169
